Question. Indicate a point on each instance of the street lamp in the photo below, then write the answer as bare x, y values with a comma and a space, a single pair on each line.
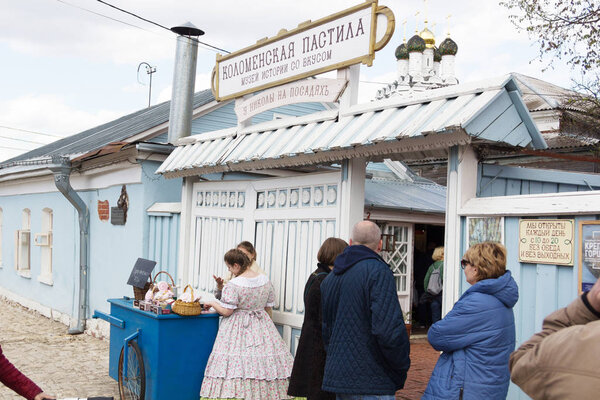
149, 70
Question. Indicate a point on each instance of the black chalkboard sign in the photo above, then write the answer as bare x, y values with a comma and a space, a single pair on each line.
140, 273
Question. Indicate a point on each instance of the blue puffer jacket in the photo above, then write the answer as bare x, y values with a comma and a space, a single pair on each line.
363, 330
476, 337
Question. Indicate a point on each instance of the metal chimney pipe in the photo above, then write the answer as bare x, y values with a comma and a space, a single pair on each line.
184, 80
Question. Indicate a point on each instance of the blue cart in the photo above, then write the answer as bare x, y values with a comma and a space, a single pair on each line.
158, 357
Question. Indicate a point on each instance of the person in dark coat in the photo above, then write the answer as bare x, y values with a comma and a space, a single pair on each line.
17, 381
309, 363
478, 334
363, 330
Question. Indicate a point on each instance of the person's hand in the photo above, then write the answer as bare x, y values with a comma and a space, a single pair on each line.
397, 394
208, 305
42, 396
219, 281
593, 296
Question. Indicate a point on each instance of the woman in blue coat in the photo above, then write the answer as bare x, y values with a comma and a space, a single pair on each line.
478, 334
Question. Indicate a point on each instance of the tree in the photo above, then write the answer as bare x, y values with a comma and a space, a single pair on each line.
567, 29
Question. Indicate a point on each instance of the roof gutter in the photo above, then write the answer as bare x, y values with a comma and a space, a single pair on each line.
61, 168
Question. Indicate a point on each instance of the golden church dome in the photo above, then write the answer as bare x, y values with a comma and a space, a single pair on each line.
429, 38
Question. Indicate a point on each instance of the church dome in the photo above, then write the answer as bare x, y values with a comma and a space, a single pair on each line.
437, 57
401, 52
428, 37
448, 47
416, 43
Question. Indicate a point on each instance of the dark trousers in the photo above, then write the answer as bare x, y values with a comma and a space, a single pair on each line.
436, 308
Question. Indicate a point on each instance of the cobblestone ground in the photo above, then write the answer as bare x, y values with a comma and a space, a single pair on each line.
77, 366
61, 364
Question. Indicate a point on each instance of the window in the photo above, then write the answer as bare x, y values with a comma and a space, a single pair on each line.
23, 245
44, 241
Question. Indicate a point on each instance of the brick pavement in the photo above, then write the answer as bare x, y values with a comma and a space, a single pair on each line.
422, 360
77, 366
61, 364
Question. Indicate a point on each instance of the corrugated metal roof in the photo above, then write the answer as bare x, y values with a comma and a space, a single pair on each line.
409, 196
113, 131
562, 140
491, 110
540, 95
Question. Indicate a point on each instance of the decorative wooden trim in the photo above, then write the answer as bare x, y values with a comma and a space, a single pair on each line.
569, 203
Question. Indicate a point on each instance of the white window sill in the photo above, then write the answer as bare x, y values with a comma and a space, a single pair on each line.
25, 273
46, 279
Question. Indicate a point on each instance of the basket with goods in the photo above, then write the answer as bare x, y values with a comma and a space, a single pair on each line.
139, 293
161, 292
188, 303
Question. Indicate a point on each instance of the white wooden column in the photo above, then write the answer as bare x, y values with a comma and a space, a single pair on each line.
461, 186
185, 229
352, 188
352, 195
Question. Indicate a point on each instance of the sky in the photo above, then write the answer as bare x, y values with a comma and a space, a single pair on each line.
69, 65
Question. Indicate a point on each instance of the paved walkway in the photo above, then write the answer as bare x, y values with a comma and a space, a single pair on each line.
422, 360
77, 366
61, 364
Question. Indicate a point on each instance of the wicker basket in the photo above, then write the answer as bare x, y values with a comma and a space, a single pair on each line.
140, 293
186, 309
153, 286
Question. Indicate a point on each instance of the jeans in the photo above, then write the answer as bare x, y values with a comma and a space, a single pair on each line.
364, 397
436, 309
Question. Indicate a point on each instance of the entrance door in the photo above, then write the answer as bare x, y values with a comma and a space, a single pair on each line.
400, 260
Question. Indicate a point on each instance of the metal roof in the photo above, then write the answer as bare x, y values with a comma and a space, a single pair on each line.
490, 111
409, 196
540, 95
113, 131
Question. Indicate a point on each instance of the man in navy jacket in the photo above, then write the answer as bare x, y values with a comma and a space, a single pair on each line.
363, 330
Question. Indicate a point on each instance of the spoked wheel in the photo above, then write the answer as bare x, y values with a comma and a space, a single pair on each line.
132, 383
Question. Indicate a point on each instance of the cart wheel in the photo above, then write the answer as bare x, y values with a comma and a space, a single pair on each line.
132, 383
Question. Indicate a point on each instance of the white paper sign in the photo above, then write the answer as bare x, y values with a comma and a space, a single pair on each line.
307, 90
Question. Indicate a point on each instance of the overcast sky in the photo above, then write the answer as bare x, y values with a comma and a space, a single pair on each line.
69, 65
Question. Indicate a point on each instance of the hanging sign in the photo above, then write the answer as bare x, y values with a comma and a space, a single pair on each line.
589, 254
306, 90
546, 241
337, 41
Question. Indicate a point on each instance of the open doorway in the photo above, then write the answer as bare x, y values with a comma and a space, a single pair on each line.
426, 239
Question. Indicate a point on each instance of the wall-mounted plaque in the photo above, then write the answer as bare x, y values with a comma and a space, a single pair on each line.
546, 241
117, 216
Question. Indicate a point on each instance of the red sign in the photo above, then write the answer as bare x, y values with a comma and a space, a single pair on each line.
103, 210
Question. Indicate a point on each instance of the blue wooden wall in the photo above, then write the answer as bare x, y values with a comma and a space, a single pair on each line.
542, 288
502, 180
163, 242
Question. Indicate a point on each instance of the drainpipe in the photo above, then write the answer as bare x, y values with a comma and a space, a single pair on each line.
61, 168
184, 79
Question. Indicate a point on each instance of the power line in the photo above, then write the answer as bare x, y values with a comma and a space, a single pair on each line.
159, 25
24, 130
21, 140
104, 16
14, 148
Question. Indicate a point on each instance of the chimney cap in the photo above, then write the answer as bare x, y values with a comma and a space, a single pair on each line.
187, 29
